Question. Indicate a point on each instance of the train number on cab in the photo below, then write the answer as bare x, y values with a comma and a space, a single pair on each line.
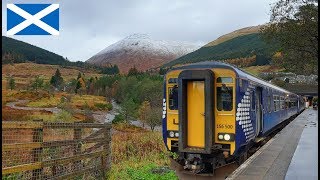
222, 126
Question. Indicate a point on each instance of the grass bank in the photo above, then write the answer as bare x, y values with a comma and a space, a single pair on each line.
138, 154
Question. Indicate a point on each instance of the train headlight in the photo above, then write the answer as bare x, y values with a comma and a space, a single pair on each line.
171, 134
176, 134
226, 137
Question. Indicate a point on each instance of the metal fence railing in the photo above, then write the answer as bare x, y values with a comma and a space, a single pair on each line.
43, 150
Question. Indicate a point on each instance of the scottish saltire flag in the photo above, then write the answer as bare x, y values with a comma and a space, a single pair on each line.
32, 19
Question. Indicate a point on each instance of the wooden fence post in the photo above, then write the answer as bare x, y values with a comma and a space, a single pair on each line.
54, 156
77, 146
37, 152
106, 155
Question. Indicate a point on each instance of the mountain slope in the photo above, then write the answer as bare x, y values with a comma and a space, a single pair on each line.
14, 51
18, 51
236, 33
142, 52
238, 47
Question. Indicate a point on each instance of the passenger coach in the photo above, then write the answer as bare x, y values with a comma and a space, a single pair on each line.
214, 112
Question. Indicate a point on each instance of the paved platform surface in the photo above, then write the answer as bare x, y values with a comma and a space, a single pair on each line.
304, 164
292, 154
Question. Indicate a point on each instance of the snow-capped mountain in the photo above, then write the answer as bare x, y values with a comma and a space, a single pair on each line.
141, 51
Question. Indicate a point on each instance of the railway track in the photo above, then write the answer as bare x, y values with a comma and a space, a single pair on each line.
223, 172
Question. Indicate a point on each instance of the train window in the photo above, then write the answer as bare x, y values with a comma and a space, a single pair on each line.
278, 103
269, 103
173, 98
293, 103
224, 80
287, 103
224, 98
282, 105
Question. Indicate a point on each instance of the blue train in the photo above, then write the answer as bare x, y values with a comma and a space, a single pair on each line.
214, 112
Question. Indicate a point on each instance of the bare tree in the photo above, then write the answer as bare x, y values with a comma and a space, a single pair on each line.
154, 117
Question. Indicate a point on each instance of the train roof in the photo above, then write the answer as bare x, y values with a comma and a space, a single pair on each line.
239, 72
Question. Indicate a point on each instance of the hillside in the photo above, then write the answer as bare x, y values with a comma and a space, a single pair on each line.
24, 72
19, 51
234, 34
14, 51
256, 70
238, 47
142, 52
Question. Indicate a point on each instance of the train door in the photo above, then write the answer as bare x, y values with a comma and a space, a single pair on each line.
195, 114
259, 112
196, 120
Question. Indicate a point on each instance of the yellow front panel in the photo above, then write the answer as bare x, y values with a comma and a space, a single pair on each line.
172, 115
195, 114
225, 120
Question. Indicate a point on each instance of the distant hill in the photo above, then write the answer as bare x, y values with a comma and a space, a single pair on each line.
239, 44
18, 51
142, 52
15, 51
234, 34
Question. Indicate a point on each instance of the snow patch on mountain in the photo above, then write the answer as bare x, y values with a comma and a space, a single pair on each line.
145, 43
142, 52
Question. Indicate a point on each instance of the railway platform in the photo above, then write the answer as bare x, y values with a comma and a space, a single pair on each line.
292, 154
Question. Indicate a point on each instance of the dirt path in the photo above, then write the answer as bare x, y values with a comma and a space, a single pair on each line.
98, 115
13, 106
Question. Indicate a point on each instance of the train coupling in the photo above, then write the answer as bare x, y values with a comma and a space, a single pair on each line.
193, 163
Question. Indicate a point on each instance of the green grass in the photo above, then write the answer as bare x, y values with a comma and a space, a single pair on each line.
148, 171
255, 70
103, 106
81, 102
62, 116
45, 102
138, 154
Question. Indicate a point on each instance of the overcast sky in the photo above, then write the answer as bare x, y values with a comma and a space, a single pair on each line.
88, 26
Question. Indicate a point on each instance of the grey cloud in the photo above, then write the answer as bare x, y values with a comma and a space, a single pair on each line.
86, 27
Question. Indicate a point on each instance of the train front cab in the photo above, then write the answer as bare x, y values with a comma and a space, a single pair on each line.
200, 119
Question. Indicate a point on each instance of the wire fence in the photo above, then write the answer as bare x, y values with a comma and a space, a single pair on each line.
42, 150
